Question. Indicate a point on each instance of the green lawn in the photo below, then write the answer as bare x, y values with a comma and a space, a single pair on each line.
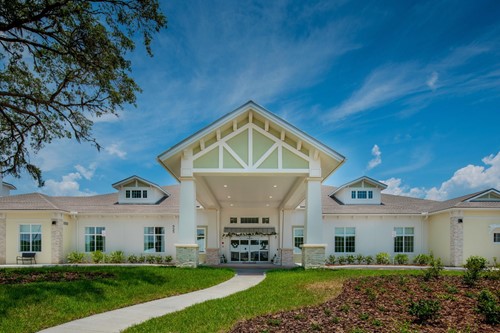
281, 290
33, 306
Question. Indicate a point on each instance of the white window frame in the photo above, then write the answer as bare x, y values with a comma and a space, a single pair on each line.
297, 250
158, 234
32, 234
202, 242
94, 235
344, 235
404, 236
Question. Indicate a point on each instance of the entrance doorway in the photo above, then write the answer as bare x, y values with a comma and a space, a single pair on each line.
250, 249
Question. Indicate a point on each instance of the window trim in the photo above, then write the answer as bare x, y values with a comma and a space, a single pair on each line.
94, 235
295, 236
405, 236
344, 236
30, 233
205, 231
155, 234
496, 238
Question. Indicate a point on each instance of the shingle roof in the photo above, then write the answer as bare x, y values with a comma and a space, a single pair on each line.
107, 204
391, 204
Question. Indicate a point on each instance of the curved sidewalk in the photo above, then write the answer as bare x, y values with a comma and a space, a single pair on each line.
120, 319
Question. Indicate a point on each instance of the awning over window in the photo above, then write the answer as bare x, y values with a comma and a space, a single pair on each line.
262, 231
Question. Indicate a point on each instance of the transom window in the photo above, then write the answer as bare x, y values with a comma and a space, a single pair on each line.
298, 240
249, 220
154, 239
265, 220
30, 238
233, 220
345, 239
95, 239
496, 237
201, 239
404, 239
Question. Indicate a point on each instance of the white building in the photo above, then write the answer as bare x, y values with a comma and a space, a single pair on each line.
250, 190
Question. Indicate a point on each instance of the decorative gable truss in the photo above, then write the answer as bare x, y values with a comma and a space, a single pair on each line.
252, 145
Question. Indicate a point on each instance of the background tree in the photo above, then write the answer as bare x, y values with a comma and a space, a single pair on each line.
62, 64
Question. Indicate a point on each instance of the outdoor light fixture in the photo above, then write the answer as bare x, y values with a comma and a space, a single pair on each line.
460, 221
54, 222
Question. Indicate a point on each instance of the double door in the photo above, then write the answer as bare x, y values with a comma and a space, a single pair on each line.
250, 249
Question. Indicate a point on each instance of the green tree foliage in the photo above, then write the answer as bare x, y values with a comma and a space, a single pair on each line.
62, 64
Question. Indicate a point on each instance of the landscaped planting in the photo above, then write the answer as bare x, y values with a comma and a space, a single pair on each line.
394, 304
35, 298
281, 290
117, 257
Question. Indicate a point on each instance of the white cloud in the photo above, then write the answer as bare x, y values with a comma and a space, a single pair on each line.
468, 179
394, 187
114, 149
431, 82
69, 184
86, 173
377, 157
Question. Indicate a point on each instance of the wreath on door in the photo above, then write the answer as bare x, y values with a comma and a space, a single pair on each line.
235, 243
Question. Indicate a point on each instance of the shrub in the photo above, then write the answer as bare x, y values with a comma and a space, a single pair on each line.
422, 259
97, 257
369, 260
350, 259
474, 266
401, 259
331, 259
434, 271
383, 258
424, 309
133, 259
150, 259
116, 257
488, 305
341, 260
159, 259
76, 257
168, 259
360, 259
141, 259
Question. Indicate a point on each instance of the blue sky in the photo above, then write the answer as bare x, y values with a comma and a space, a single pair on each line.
408, 91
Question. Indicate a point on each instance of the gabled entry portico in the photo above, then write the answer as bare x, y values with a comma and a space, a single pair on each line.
246, 164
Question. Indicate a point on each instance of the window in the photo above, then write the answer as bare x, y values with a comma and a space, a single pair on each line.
298, 240
127, 194
30, 238
201, 239
154, 239
265, 220
403, 239
136, 194
144, 194
345, 239
249, 220
95, 239
361, 194
233, 220
370, 194
496, 237
353, 194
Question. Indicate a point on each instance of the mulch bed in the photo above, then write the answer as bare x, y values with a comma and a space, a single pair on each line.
380, 304
8, 277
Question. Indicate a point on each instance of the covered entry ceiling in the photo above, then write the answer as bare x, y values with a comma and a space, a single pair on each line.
250, 190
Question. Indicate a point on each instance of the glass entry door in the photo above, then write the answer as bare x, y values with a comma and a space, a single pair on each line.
250, 249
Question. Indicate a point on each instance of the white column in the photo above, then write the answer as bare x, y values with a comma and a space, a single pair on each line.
314, 223
187, 212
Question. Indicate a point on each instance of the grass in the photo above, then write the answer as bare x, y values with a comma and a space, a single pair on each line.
33, 306
281, 290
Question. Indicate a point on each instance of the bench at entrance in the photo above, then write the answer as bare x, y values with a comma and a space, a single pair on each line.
28, 257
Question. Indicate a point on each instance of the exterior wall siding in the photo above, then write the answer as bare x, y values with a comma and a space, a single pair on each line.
478, 240
3, 240
374, 234
438, 235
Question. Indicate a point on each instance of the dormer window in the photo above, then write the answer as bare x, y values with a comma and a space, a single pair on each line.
362, 191
136, 190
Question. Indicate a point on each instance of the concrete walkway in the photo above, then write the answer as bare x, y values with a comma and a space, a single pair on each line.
120, 319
